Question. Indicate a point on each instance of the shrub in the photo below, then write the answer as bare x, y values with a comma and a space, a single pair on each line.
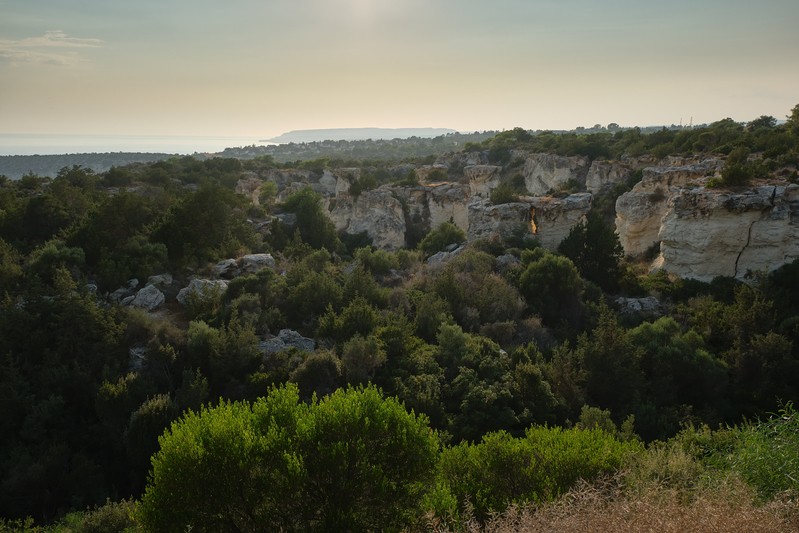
354, 461
441, 237
542, 465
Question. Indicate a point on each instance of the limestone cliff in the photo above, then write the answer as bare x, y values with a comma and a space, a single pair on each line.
553, 218
707, 232
378, 212
482, 179
699, 232
547, 218
545, 173
640, 211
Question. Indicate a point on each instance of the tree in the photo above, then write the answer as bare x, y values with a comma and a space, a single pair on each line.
553, 289
793, 120
353, 461
315, 227
594, 248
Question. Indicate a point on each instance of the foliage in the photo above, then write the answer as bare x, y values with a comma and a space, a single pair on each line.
504, 194
439, 238
595, 250
352, 461
316, 228
552, 287
206, 225
765, 454
540, 466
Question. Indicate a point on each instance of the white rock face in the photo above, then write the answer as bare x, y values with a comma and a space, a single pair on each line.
344, 178
448, 202
603, 175
482, 179
377, 212
249, 186
548, 219
503, 220
328, 183
544, 173
553, 218
708, 233
640, 211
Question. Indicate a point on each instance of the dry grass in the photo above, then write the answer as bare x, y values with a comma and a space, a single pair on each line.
606, 508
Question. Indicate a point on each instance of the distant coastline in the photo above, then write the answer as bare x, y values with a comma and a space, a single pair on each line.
45, 144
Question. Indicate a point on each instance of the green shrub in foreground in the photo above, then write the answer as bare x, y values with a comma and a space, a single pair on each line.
502, 470
352, 461
767, 454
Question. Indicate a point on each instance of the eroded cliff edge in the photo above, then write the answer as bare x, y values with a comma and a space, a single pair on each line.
671, 215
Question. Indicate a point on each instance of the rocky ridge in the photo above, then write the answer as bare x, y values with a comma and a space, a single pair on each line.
695, 231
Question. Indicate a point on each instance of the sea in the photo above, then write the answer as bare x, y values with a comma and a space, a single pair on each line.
36, 144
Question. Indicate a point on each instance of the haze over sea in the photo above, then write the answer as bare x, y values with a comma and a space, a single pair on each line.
35, 144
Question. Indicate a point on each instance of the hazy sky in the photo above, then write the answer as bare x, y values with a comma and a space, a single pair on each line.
259, 68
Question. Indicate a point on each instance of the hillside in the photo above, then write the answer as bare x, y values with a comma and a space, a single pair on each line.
507, 319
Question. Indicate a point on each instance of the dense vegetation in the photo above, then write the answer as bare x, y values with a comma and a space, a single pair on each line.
521, 375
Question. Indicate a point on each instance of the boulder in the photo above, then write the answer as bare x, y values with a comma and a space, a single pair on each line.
227, 268
149, 298
253, 263
161, 281
286, 339
201, 288
648, 307
507, 262
137, 357
439, 258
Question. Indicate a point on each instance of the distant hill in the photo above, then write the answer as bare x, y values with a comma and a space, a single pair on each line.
356, 134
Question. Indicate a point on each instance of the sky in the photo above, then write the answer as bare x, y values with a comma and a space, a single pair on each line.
263, 67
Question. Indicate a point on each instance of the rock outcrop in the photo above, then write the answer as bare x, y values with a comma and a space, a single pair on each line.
640, 211
447, 202
377, 212
553, 218
250, 186
707, 232
504, 220
286, 339
149, 298
201, 289
546, 173
482, 179
603, 175
546, 218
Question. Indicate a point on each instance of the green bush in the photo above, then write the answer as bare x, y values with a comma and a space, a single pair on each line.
353, 461
767, 454
441, 237
502, 470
